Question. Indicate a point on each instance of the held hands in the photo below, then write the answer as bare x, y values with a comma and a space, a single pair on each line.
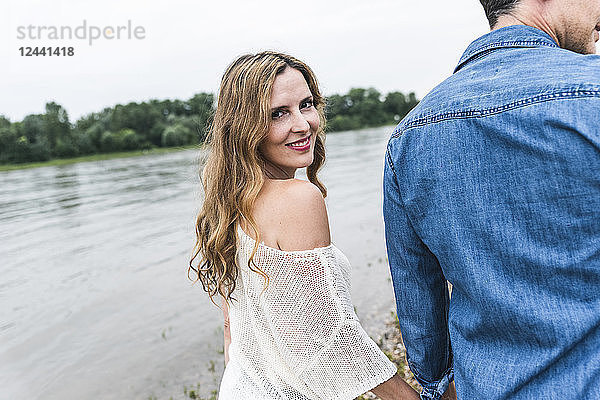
396, 389
450, 393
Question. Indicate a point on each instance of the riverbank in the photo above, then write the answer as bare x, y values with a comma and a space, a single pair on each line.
95, 157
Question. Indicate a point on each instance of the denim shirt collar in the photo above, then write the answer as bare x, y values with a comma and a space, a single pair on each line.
510, 36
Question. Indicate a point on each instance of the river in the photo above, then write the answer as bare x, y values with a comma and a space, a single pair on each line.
94, 294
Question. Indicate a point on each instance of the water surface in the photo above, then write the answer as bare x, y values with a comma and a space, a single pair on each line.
94, 294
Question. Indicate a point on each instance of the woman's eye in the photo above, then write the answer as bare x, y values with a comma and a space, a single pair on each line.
307, 104
277, 114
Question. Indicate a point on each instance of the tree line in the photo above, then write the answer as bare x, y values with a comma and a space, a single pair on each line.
166, 123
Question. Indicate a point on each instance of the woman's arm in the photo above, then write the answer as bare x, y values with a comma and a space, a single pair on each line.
395, 389
226, 331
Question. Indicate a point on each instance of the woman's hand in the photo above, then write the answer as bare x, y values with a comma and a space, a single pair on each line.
226, 331
450, 392
395, 389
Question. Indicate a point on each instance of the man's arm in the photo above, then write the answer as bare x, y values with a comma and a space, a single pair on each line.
421, 292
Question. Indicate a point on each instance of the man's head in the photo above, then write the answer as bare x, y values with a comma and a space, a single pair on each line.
573, 24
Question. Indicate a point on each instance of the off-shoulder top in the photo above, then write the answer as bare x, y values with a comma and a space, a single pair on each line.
299, 338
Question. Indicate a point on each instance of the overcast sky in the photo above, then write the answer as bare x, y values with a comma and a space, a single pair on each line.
405, 45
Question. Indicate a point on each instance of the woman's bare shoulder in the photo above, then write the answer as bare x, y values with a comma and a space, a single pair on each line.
299, 217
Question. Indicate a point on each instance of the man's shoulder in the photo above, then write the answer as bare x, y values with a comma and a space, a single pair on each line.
507, 81
561, 66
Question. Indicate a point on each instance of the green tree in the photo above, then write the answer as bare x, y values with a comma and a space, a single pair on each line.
155, 134
370, 108
8, 140
94, 134
177, 135
85, 143
139, 117
398, 105
108, 142
337, 105
66, 147
125, 139
202, 108
32, 128
129, 140
56, 124
193, 125
344, 123
32, 142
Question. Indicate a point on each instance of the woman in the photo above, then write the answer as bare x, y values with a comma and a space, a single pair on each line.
264, 242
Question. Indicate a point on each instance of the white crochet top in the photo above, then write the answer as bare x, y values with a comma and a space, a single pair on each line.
300, 338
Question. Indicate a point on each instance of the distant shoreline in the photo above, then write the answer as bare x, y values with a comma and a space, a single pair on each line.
124, 154
96, 157
163, 124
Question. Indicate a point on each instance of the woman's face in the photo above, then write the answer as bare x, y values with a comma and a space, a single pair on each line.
294, 123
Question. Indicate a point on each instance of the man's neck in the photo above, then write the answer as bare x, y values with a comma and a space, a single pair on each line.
534, 19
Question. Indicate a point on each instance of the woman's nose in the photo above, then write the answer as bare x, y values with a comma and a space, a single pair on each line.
299, 122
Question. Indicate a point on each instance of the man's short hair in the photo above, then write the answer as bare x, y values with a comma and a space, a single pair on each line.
496, 8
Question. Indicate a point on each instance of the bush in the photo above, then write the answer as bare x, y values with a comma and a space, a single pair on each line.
129, 140
65, 148
94, 133
125, 139
22, 151
177, 135
344, 123
108, 142
155, 133
85, 144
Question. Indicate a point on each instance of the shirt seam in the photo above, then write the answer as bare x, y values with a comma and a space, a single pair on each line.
483, 50
388, 157
393, 168
468, 114
326, 347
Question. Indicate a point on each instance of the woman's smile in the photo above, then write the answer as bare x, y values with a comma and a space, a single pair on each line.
300, 144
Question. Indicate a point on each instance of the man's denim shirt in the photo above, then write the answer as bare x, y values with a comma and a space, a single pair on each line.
493, 183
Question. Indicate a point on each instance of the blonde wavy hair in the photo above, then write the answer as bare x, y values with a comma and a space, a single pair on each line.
234, 171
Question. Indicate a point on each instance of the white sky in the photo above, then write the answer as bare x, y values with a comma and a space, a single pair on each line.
405, 45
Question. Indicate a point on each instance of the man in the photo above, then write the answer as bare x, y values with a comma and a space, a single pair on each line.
493, 183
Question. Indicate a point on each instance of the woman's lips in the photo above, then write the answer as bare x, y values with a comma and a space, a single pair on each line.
301, 144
